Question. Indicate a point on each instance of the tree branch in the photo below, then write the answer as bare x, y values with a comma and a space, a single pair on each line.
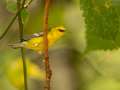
46, 56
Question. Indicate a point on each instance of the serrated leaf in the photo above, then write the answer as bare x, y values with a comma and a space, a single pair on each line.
11, 6
25, 16
102, 18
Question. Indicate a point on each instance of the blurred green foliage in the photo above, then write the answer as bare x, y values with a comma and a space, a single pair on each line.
11, 6
102, 23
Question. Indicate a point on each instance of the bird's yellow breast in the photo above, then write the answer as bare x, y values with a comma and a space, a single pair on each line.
35, 44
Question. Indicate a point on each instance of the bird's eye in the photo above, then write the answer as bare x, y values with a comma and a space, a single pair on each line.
61, 30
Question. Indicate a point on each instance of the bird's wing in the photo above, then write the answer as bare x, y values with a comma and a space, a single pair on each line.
40, 34
33, 36
37, 35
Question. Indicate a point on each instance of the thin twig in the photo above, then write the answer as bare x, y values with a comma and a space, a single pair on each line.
21, 40
23, 3
8, 27
27, 4
47, 64
13, 20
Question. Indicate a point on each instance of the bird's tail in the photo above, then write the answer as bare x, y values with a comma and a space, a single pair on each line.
17, 45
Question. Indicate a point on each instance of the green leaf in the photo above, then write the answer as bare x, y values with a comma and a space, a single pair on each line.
11, 6
102, 18
25, 16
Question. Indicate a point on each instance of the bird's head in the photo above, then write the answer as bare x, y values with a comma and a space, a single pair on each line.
60, 29
57, 31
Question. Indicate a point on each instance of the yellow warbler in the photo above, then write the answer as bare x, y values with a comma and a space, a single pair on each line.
15, 76
36, 41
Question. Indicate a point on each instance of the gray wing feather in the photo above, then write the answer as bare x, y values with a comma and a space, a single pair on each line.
33, 36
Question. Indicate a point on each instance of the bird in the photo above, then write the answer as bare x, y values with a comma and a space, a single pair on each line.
35, 41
